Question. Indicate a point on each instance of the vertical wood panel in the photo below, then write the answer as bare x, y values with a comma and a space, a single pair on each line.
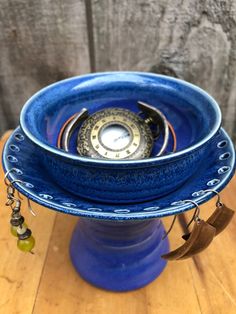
41, 42
192, 39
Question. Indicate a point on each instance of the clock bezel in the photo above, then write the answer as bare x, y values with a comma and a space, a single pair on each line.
139, 147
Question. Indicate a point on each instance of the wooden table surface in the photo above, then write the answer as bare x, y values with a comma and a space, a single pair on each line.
46, 282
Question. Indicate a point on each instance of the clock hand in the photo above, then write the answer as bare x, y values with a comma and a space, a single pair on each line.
121, 136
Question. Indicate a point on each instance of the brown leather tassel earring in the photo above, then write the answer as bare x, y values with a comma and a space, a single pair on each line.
198, 240
222, 215
220, 218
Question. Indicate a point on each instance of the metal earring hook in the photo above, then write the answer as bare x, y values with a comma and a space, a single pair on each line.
20, 197
218, 203
195, 217
196, 212
10, 183
6, 175
17, 181
30, 208
171, 227
13, 198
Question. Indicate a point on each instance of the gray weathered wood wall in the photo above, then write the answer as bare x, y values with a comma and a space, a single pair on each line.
44, 41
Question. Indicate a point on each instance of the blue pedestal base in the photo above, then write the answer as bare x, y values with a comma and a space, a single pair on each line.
118, 256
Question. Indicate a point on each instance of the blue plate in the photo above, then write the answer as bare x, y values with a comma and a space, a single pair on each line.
215, 172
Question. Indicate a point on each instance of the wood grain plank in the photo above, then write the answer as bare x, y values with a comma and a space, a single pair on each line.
214, 270
41, 42
19, 272
193, 40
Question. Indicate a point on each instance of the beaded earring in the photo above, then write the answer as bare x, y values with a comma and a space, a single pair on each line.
19, 229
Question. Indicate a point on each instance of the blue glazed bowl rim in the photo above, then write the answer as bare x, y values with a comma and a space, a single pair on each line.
174, 156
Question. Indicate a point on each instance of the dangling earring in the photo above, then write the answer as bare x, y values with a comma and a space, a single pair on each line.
19, 229
222, 215
220, 218
199, 239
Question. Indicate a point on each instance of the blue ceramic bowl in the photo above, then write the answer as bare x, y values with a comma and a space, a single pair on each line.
195, 115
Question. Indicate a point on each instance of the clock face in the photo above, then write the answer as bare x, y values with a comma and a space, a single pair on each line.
115, 136
115, 133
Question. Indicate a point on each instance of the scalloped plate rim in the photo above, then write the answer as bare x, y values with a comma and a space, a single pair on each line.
118, 215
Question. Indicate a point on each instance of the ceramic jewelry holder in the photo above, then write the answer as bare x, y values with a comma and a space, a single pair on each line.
116, 246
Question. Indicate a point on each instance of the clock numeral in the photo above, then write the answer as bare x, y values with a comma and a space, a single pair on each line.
135, 144
96, 127
128, 151
136, 134
94, 136
105, 154
117, 155
97, 146
104, 120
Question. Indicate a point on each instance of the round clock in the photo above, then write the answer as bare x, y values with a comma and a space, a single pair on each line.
118, 133
115, 133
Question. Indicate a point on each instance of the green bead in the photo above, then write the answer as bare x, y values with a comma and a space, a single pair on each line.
26, 245
14, 229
